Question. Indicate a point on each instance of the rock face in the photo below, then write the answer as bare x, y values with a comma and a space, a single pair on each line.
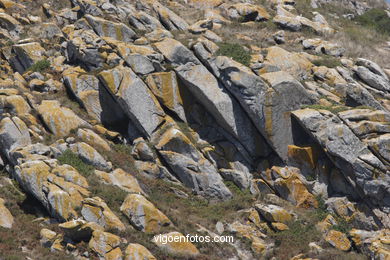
13, 134
179, 246
358, 164
143, 215
134, 97
6, 218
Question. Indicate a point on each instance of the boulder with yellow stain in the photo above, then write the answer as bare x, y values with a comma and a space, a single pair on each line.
349, 154
321, 46
93, 139
324, 225
6, 218
103, 242
168, 18
96, 210
273, 213
79, 230
27, 55
338, 240
329, 76
60, 120
134, 97
205, 3
374, 243
121, 179
175, 243
90, 156
290, 185
305, 158
15, 105
138, 252
143, 215
13, 134
106, 28
165, 87
294, 63
189, 165
247, 12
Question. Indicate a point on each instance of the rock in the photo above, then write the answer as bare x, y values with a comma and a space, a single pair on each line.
93, 139
323, 47
372, 79
374, 243
247, 12
143, 215
103, 242
165, 87
143, 21
79, 230
296, 64
6, 218
201, 26
90, 156
47, 237
273, 213
13, 134
338, 240
279, 37
241, 179
134, 97
266, 106
289, 185
138, 252
372, 66
189, 165
169, 19
348, 153
121, 179
175, 243
60, 120
27, 54
115, 254
96, 210
105, 28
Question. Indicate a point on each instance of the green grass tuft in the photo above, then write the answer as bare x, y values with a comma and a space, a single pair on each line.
234, 51
40, 66
69, 157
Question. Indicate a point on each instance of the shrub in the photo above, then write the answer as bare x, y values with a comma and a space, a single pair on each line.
326, 61
377, 19
234, 51
40, 66
69, 157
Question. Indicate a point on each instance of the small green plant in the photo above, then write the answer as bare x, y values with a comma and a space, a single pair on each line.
234, 51
40, 66
69, 157
377, 19
330, 62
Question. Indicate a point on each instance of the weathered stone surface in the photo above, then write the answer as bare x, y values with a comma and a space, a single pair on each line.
121, 179
136, 100
165, 87
138, 252
93, 139
323, 47
103, 242
143, 215
169, 19
96, 210
13, 134
6, 218
273, 213
105, 28
179, 247
79, 230
338, 240
247, 12
60, 120
372, 79
26, 54
374, 243
90, 156
189, 165
359, 165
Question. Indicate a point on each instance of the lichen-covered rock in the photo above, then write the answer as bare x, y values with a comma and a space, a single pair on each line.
93, 139
121, 179
60, 120
96, 210
138, 252
136, 100
103, 242
273, 213
165, 87
6, 218
27, 54
169, 19
105, 28
189, 165
143, 215
176, 243
90, 156
338, 240
358, 164
13, 134
247, 12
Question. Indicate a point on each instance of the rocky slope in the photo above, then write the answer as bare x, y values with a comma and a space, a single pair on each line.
122, 120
